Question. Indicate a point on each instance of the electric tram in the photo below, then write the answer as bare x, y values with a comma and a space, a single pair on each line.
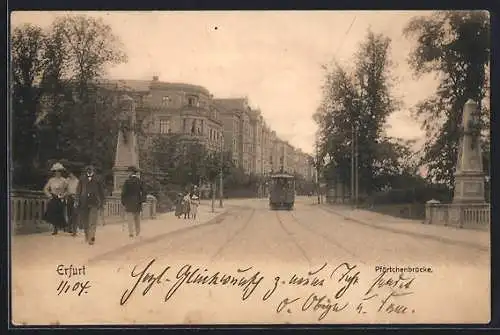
281, 191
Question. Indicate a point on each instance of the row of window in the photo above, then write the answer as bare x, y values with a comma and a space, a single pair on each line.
165, 128
215, 135
192, 101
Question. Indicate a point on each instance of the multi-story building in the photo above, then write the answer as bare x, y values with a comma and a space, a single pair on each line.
267, 149
238, 131
176, 108
256, 125
190, 110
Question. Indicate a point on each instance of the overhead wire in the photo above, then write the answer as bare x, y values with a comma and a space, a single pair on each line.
345, 35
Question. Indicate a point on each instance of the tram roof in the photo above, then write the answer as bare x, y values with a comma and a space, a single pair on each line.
282, 175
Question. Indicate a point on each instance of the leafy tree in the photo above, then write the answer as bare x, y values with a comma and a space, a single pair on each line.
90, 46
359, 100
80, 118
454, 45
27, 65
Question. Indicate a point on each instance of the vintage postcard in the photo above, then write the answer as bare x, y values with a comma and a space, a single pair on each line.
249, 167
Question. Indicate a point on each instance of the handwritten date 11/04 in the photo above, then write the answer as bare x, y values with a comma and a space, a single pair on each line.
78, 288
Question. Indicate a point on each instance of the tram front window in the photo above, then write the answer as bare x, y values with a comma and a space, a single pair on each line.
282, 183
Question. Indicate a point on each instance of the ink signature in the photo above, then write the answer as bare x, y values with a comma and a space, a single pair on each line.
386, 290
330, 287
145, 278
190, 275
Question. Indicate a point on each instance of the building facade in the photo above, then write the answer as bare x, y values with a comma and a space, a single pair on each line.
176, 108
231, 124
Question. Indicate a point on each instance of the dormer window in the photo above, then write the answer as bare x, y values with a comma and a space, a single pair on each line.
193, 101
166, 100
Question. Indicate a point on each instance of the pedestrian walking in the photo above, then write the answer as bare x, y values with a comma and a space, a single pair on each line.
132, 197
195, 202
186, 204
90, 195
55, 189
71, 210
178, 205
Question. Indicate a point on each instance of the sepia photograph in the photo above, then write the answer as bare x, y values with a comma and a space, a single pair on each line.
249, 167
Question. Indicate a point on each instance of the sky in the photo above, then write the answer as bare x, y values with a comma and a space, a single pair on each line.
274, 58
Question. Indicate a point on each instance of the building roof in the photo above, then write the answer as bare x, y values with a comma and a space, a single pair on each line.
132, 84
232, 103
145, 85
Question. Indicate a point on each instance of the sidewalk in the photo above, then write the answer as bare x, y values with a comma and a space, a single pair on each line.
450, 235
43, 248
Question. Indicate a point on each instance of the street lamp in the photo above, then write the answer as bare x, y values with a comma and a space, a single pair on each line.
354, 157
317, 170
221, 172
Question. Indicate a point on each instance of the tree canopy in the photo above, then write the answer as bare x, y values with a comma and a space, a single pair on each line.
455, 46
358, 100
59, 110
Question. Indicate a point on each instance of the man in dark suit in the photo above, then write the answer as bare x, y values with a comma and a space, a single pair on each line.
90, 196
132, 197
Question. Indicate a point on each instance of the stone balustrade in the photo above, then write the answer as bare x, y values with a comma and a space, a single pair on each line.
27, 209
472, 216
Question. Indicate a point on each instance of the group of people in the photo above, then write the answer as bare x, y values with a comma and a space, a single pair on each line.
76, 203
187, 204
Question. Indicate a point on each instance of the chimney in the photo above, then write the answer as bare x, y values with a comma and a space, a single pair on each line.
155, 78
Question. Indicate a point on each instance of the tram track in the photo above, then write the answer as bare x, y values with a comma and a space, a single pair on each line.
234, 235
328, 239
294, 240
173, 239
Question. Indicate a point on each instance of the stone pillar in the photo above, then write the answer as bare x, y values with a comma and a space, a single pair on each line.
127, 153
469, 175
430, 210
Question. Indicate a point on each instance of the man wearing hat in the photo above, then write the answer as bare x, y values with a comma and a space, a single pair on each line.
91, 195
132, 197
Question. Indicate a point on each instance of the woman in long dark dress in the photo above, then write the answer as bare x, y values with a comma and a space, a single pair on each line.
178, 206
56, 189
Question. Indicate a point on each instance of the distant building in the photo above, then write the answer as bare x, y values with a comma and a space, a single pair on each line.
191, 111
236, 128
176, 108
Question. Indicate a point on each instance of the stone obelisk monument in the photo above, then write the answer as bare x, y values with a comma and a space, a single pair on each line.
126, 146
469, 173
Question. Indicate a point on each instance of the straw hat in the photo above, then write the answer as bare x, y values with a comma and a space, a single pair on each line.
57, 167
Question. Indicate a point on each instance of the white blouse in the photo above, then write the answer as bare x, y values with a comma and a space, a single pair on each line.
56, 186
72, 185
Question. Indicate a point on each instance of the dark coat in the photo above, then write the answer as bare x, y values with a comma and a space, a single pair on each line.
133, 195
90, 193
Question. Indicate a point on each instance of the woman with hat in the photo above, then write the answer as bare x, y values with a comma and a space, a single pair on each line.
56, 189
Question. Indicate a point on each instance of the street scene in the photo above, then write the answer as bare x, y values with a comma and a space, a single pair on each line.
274, 243
329, 176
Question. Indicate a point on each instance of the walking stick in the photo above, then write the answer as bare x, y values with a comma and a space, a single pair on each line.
103, 217
123, 217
